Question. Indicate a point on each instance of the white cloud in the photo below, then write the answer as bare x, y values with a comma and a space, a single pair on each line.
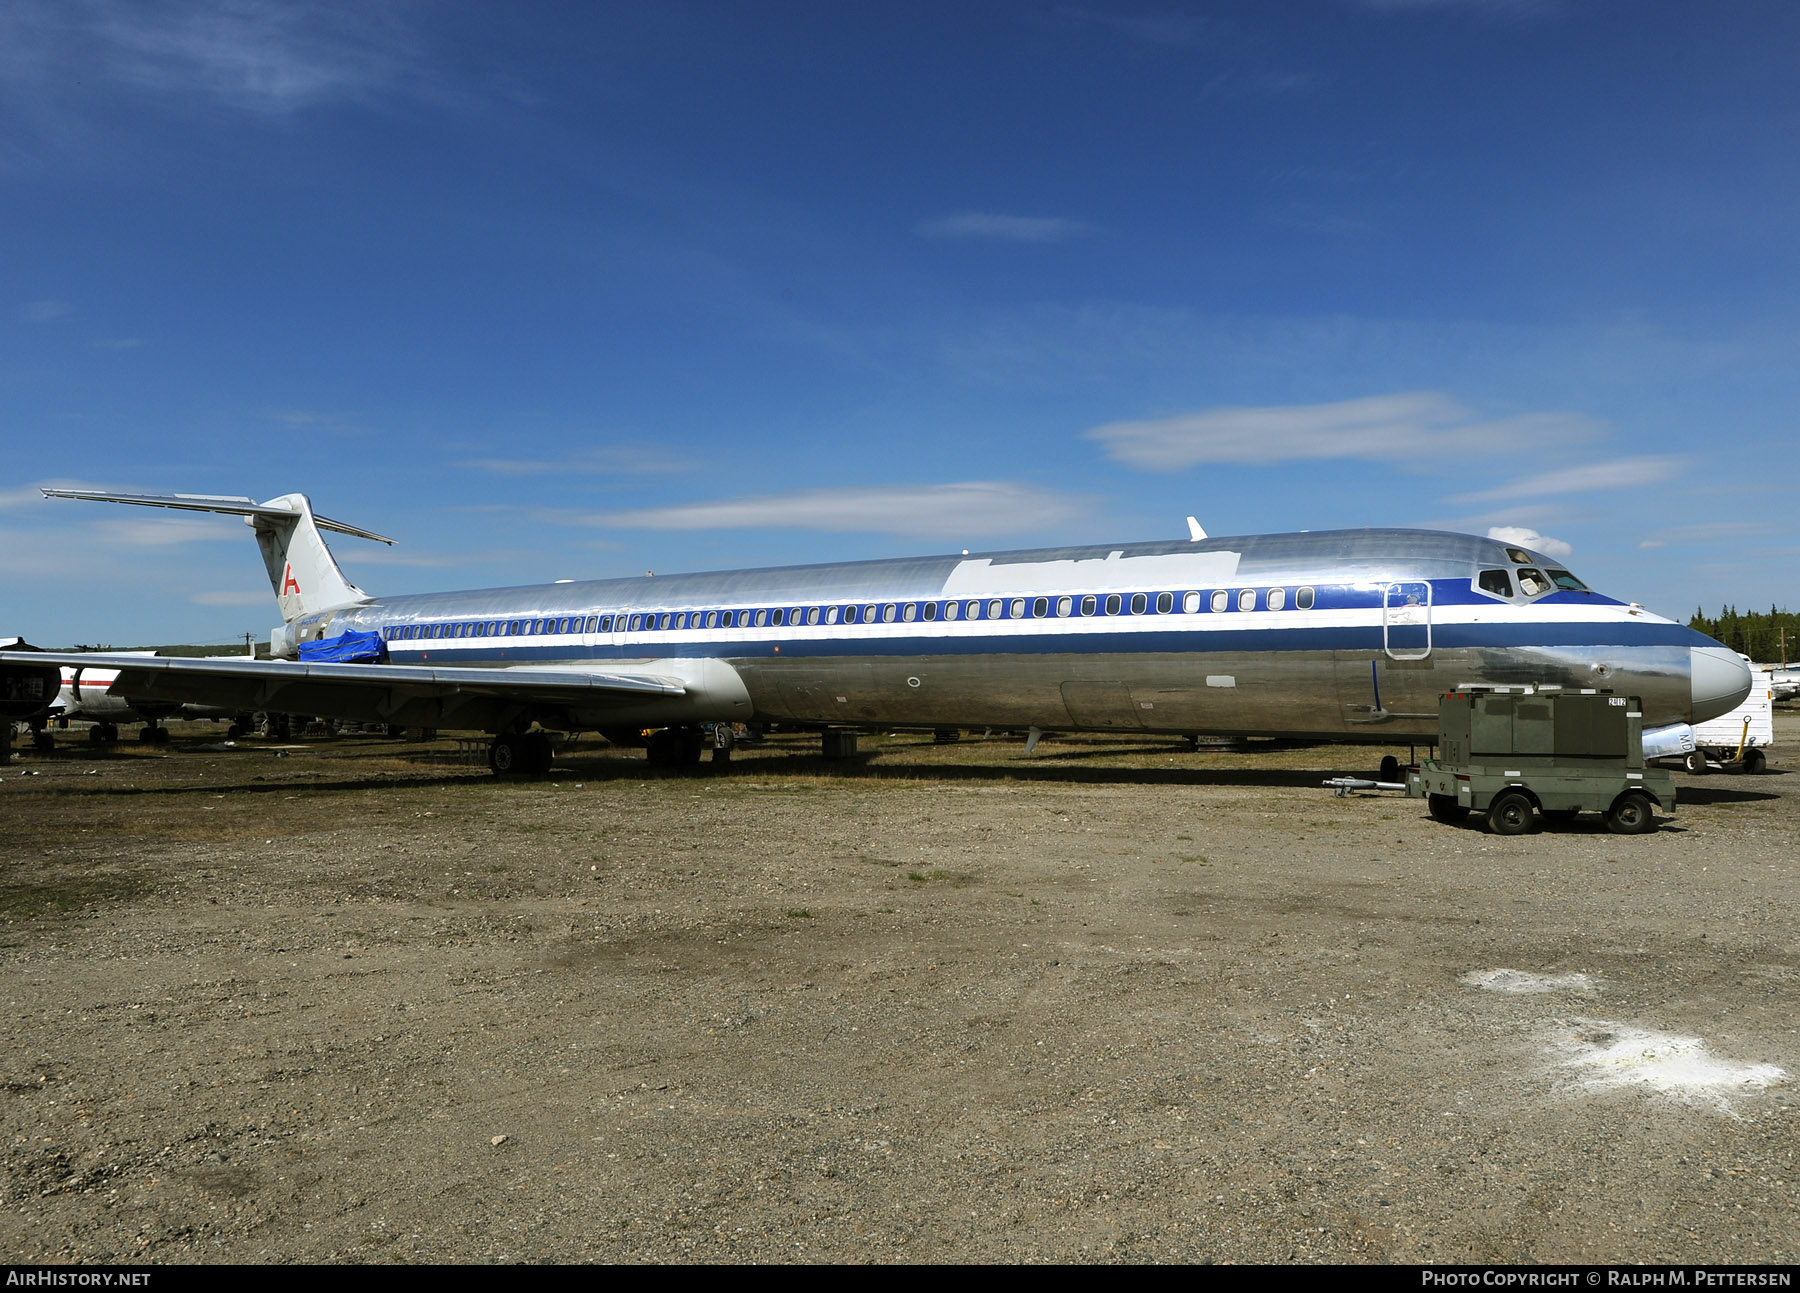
1406, 427
1528, 538
1004, 228
632, 460
264, 56
162, 532
1606, 475
1166, 28
1491, 8
311, 420
45, 311
968, 509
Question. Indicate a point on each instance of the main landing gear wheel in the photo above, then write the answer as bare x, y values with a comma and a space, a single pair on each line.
520, 754
1631, 814
1511, 813
1445, 808
675, 747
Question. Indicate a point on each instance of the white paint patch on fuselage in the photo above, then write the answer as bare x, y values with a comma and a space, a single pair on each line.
1113, 572
1597, 1055
1525, 983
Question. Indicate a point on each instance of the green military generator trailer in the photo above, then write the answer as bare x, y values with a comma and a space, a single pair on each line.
1518, 753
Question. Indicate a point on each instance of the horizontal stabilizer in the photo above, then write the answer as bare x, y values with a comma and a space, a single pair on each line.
222, 503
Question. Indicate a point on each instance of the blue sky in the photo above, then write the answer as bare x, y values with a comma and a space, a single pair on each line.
560, 291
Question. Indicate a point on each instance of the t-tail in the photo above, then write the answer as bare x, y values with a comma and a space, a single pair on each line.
302, 572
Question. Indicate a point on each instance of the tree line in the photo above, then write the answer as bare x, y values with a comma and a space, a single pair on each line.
1755, 633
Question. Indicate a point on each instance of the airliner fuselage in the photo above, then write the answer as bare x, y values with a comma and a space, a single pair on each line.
1333, 634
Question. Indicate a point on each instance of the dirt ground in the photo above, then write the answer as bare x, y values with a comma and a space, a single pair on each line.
353, 1000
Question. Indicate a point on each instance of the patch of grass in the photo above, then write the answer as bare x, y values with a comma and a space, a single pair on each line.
799, 913
72, 893
957, 879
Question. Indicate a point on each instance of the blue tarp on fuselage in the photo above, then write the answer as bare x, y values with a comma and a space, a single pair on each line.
346, 648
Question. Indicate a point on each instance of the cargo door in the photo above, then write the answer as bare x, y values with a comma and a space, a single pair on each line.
1406, 620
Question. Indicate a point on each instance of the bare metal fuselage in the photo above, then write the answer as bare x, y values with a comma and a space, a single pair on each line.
1339, 635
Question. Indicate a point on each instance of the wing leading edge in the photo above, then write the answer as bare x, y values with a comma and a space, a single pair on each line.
491, 699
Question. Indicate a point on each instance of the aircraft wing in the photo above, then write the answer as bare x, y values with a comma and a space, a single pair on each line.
401, 694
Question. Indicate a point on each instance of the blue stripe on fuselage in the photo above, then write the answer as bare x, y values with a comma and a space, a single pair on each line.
1501, 636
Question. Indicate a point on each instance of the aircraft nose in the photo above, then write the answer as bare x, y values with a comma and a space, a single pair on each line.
1720, 681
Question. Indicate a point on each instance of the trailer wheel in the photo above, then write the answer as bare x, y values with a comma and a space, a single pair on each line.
1696, 762
1754, 762
1445, 808
1511, 813
1631, 814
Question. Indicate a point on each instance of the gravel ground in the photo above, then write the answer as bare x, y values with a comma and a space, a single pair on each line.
356, 1001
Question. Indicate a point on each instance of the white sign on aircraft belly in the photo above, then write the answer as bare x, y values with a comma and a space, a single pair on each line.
981, 577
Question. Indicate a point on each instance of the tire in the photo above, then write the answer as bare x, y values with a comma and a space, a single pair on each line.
537, 753
1695, 763
97, 735
506, 756
663, 750
675, 747
1511, 813
1755, 763
1445, 808
1631, 814
1390, 768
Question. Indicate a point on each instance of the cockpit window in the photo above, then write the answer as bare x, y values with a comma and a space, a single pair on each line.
1496, 582
1519, 555
1532, 582
1563, 579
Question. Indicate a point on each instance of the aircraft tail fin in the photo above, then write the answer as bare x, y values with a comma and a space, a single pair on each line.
302, 572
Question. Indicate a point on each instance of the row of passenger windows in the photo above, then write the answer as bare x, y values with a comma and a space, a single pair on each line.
999, 608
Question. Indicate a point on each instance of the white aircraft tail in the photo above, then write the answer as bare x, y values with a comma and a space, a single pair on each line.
302, 572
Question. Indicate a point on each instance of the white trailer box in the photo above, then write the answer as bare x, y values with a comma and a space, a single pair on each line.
1748, 729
